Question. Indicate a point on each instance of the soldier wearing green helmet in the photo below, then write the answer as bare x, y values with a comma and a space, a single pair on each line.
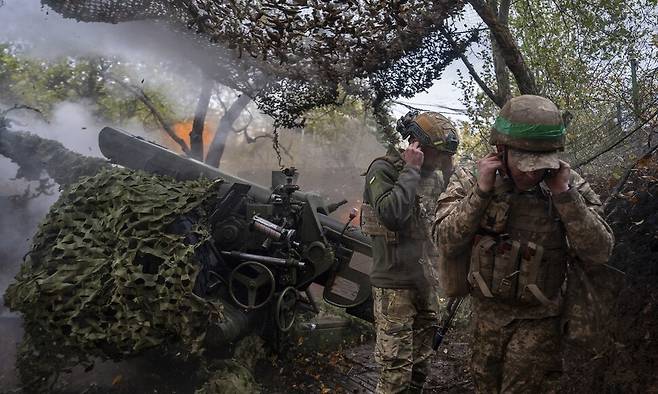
399, 199
506, 235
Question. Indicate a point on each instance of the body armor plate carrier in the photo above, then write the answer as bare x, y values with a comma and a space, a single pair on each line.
520, 255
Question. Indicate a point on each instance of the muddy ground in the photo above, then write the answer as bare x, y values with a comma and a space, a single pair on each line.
353, 370
336, 356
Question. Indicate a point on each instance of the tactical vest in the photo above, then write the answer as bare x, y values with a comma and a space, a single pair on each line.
427, 195
519, 257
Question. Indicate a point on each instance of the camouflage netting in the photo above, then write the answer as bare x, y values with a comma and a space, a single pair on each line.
105, 278
235, 375
281, 48
110, 11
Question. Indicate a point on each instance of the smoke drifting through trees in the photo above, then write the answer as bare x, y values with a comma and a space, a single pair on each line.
169, 63
71, 124
329, 163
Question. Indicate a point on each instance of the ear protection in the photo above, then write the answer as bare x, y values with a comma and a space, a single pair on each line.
407, 127
404, 122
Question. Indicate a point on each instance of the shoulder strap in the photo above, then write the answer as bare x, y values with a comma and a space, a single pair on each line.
396, 162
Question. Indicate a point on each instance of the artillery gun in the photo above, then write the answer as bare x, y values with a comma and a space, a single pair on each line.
173, 254
268, 244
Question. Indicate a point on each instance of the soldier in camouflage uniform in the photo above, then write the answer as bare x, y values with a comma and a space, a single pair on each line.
516, 225
400, 192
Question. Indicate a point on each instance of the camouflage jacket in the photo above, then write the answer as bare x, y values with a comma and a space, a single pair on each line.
403, 200
460, 212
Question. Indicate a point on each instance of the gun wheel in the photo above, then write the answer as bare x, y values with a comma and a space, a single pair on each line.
251, 285
286, 309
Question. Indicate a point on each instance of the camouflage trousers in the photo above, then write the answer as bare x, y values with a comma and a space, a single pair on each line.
405, 320
520, 357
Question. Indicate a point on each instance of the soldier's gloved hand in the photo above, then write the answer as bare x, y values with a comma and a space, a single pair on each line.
558, 181
413, 156
487, 167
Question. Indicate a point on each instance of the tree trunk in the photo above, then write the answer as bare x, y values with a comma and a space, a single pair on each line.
508, 48
34, 154
504, 91
196, 135
216, 149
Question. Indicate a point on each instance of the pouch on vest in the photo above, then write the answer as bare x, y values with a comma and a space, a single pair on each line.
371, 226
481, 268
453, 274
531, 286
508, 271
505, 271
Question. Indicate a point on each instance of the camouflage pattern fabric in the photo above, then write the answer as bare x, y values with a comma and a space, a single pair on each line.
461, 215
520, 357
405, 282
580, 209
405, 321
429, 187
235, 376
452, 269
105, 279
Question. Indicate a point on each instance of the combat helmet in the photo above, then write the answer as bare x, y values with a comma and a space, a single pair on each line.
530, 123
430, 129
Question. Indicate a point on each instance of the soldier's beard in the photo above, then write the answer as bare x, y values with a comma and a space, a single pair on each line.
434, 162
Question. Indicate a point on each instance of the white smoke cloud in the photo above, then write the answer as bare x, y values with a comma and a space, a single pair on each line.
74, 126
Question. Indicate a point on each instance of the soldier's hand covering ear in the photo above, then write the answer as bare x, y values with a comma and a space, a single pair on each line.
413, 156
558, 182
487, 167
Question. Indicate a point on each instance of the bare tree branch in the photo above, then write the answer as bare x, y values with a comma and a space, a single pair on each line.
508, 48
141, 95
251, 140
246, 126
471, 70
650, 151
17, 107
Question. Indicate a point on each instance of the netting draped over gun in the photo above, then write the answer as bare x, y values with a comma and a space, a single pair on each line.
453, 306
151, 249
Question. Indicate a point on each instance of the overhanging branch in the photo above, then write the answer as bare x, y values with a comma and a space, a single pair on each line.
508, 48
141, 96
471, 69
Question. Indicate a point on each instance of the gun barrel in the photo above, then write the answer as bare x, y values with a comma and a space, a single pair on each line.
264, 259
119, 146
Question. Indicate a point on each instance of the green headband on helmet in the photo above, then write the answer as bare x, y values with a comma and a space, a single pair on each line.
529, 131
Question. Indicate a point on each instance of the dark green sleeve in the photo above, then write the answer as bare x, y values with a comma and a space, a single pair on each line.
392, 195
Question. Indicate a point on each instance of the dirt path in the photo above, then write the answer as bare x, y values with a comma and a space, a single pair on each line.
353, 370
